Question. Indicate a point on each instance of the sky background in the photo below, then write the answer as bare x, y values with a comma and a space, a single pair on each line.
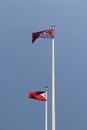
26, 67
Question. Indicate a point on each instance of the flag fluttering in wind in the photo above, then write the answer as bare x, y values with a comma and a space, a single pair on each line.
39, 95
43, 34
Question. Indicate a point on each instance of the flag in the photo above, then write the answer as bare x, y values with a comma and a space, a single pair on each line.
39, 95
43, 34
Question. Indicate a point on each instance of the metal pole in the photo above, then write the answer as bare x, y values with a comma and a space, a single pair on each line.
46, 110
53, 84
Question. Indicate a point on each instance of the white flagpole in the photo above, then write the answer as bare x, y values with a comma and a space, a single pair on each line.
53, 84
46, 110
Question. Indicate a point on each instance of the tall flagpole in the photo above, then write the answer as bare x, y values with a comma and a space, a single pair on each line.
46, 110
53, 84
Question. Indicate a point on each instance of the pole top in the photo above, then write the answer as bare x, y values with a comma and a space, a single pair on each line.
53, 26
46, 87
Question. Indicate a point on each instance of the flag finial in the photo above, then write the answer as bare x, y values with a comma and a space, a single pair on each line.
46, 88
53, 26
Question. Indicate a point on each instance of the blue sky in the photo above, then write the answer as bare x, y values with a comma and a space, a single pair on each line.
26, 67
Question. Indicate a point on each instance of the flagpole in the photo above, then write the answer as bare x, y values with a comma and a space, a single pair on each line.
46, 109
53, 84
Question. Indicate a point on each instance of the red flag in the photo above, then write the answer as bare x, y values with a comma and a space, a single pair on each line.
43, 34
40, 95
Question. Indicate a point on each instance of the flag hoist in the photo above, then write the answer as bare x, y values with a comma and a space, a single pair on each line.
49, 34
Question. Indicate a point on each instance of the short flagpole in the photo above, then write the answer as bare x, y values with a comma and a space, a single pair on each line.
46, 109
53, 84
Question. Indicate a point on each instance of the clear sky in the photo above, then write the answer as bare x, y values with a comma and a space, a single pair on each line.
26, 67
